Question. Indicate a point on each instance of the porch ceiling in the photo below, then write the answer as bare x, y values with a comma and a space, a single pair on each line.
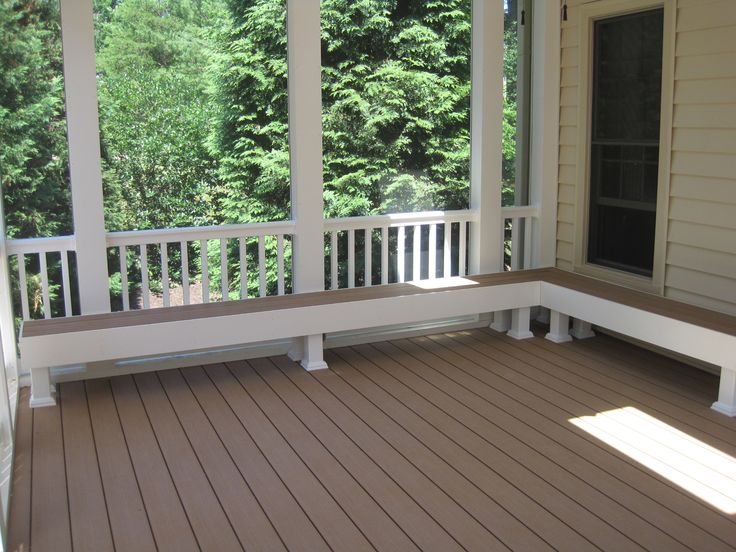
446, 442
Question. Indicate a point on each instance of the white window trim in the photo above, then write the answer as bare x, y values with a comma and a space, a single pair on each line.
588, 14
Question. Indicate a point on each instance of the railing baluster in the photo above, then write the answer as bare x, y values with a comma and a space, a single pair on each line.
243, 268
124, 290
447, 253
401, 254
432, 248
515, 233
65, 283
333, 260
23, 284
280, 263
351, 258
262, 266
184, 248
368, 261
463, 247
165, 284
416, 254
43, 268
144, 276
528, 221
384, 255
224, 280
205, 271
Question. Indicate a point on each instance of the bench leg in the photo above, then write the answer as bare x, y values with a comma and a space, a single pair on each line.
501, 321
581, 329
520, 324
312, 358
559, 327
42, 392
726, 403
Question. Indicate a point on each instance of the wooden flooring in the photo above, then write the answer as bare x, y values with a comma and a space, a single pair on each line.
451, 442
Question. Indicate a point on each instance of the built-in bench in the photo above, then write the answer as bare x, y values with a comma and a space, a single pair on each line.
685, 329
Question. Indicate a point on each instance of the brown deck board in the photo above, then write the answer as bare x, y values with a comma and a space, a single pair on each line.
288, 518
122, 492
326, 514
87, 507
446, 442
168, 521
19, 515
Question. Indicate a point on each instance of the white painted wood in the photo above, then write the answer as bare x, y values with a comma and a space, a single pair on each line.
485, 130
124, 288
184, 249
23, 284
334, 260
80, 83
501, 321
144, 277
312, 355
416, 253
384, 255
515, 244
726, 403
262, 290
305, 142
401, 254
528, 237
581, 329
395, 220
432, 250
44, 271
203, 255
447, 251
43, 393
165, 283
224, 280
559, 327
66, 283
368, 258
351, 258
280, 264
520, 319
463, 248
243, 259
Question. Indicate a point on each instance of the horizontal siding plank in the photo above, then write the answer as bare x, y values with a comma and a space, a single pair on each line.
568, 116
566, 213
707, 66
719, 190
707, 285
569, 57
705, 91
699, 300
718, 14
703, 164
714, 262
568, 174
565, 232
564, 251
569, 76
569, 37
569, 96
568, 136
705, 140
703, 212
566, 194
706, 237
705, 116
706, 41
568, 155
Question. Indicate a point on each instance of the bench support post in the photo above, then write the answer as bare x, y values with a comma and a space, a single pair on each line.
501, 321
42, 392
559, 327
581, 329
726, 403
312, 358
520, 323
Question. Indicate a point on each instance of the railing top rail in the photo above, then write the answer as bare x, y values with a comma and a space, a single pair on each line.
26, 246
399, 219
520, 211
171, 235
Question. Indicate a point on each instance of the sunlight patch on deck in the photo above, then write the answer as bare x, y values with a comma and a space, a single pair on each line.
438, 283
695, 466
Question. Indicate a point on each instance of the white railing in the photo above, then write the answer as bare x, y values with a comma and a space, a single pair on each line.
518, 221
248, 249
362, 251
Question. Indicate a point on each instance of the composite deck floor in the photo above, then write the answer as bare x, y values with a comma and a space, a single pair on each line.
459, 441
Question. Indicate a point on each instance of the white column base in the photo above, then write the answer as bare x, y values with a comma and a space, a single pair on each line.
296, 351
581, 329
726, 403
42, 392
559, 328
313, 353
520, 324
501, 321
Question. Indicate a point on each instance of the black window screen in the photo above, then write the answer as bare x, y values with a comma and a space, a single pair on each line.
627, 84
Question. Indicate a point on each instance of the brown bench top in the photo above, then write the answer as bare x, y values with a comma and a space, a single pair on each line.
659, 305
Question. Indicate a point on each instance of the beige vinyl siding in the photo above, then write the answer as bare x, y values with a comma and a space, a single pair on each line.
700, 265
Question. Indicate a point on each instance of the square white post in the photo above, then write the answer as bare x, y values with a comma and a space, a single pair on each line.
42, 392
520, 323
486, 235
80, 83
581, 329
559, 327
312, 358
305, 145
726, 403
501, 321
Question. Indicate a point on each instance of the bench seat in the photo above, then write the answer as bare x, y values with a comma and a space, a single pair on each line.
686, 329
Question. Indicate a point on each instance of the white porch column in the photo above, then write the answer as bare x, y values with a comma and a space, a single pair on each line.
486, 235
581, 329
544, 132
520, 319
305, 144
80, 81
559, 327
726, 403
